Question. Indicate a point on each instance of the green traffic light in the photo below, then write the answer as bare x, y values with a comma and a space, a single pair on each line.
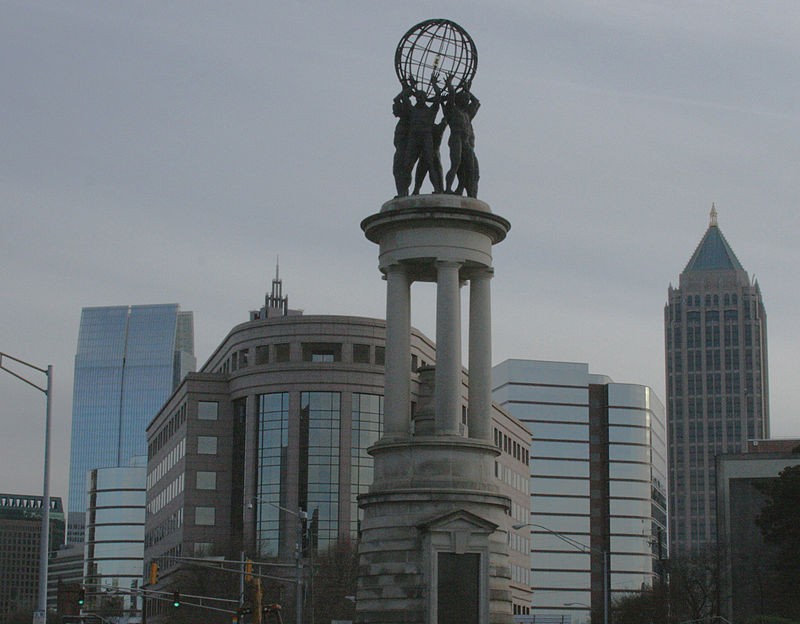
176, 599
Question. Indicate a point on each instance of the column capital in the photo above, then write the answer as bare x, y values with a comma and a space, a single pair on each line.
448, 264
395, 268
479, 272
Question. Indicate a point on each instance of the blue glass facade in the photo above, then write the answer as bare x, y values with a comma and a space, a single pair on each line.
366, 430
320, 415
273, 453
126, 365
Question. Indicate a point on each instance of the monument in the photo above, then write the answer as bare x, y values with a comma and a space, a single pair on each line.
434, 543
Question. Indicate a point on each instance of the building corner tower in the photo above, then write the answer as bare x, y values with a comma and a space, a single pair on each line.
716, 381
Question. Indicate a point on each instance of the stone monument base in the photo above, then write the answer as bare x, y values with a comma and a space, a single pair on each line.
434, 547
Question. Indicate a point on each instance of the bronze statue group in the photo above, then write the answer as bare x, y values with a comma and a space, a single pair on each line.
418, 136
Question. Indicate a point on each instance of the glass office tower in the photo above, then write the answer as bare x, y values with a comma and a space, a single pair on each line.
129, 359
598, 483
715, 329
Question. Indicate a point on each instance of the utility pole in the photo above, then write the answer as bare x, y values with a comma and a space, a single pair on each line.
40, 615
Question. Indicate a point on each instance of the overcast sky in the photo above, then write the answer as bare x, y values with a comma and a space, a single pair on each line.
155, 152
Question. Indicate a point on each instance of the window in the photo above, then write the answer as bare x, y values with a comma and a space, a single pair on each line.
203, 549
319, 460
206, 445
361, 353
206, 480
262, 355
273, 451
322, 352
380, 356
207, 410
282, 352
205, 516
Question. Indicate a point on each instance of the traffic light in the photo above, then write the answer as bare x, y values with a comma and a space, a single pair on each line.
153, 573
273, 609
248, 571
243, 615
81, 596
176, 599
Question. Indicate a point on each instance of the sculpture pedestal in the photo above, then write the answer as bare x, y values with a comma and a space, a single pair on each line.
434, 538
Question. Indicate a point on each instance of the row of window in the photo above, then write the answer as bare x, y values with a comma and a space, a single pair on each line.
730, 333
27, 502
511, 478
166, 464
309, 352
166, 495
169, 526
167, 431
511, 446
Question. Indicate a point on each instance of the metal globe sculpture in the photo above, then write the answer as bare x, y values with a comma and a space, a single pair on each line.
434, 49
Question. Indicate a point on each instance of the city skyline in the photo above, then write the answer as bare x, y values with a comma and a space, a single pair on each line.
172, 153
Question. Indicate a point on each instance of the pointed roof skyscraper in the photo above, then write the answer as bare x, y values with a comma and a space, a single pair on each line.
715, 328
713, 253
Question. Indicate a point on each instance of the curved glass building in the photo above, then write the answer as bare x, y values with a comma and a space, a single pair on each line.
114, 544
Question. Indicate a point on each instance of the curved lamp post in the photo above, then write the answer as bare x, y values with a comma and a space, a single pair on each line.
583, 548
40, 615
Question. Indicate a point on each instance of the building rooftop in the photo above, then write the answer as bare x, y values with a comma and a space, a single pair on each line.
713, 253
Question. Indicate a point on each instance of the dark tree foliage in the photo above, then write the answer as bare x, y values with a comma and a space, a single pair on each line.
779, 519
690, 594
335, 574
779, 522
647, 607
201, 581
694, 584
21, 616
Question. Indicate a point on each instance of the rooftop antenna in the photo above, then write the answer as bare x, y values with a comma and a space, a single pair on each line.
713, 215
277, 304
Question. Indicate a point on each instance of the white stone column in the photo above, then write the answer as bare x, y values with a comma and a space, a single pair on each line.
480, 355
397, 393
448, 348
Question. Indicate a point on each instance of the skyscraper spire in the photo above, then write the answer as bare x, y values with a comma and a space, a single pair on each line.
713, 222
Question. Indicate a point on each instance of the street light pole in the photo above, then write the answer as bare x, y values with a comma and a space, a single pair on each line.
40, 615
583, 548
298, 552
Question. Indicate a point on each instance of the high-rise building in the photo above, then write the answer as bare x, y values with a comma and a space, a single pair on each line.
715, 330
275, 425
128, 361
20, 535
597, 484
64, 573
